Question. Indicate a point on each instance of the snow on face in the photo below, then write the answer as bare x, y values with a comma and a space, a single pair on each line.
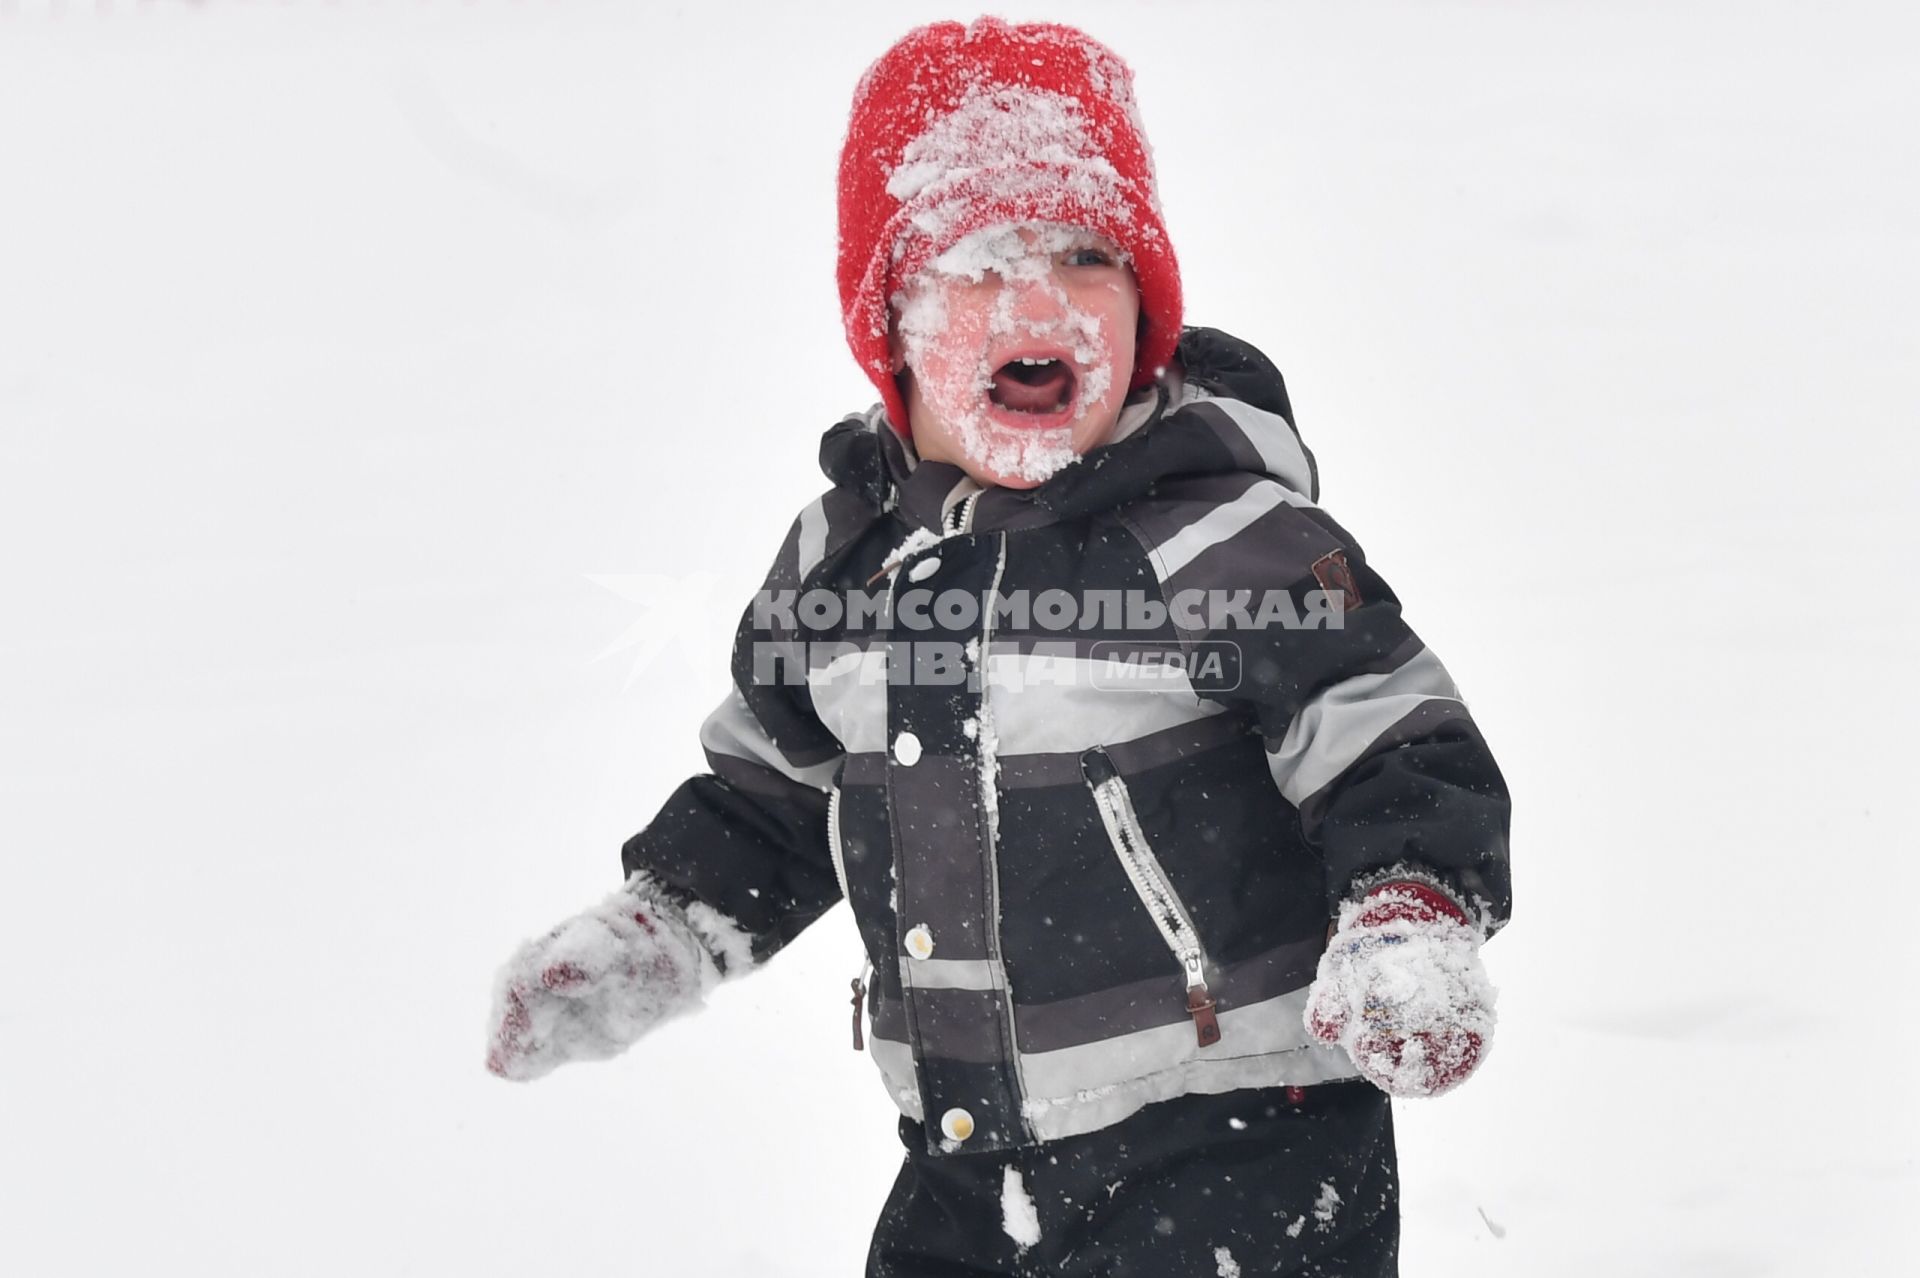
1020, 340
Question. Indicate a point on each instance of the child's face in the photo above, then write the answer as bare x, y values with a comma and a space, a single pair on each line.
1018, 344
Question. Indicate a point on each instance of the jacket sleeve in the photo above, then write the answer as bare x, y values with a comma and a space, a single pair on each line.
1365, 732
747, 840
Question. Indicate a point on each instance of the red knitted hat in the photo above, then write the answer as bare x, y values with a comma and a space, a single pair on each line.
957, 128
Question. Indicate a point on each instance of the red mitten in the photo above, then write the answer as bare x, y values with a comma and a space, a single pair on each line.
590, 988
1402, 989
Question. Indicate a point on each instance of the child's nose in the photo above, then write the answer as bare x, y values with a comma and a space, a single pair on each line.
1040, 300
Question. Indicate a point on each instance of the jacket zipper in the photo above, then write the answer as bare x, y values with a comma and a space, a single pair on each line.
1151, 884
834, 849
958, 519
989, 805
837, 852
962, 513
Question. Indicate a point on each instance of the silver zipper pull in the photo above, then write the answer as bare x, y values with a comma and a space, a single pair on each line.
1155, 891
1206, 1025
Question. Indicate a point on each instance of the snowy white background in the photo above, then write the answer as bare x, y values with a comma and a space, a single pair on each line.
366, 370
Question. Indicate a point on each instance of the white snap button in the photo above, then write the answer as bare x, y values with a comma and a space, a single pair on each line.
920, 942
956, 1124
906, 749
924, 569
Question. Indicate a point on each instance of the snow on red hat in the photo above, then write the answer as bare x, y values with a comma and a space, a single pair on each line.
957, 128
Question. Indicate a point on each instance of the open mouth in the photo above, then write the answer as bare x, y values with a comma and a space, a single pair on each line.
1037, 386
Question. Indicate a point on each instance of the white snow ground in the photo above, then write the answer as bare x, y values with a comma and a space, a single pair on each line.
363, 368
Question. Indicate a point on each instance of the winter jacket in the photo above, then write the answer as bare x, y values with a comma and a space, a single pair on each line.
1092, 839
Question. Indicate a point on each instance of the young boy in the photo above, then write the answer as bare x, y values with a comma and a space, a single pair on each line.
1171, 845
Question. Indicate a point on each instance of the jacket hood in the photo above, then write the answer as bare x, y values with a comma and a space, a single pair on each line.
1226, 409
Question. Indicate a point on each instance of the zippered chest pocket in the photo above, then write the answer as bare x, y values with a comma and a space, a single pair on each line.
1150, 883
834, 848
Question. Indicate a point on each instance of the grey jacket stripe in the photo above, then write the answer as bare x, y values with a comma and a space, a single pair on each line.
1216, 525
1061, 708
850, 697
947, 974
732, 731
1337, 728
1160, 514
1420, 722
813, 537
1257, 1029
1093, 646
1075, 1115
1274, 551
1080, 1111
1260, 440
1156, 1065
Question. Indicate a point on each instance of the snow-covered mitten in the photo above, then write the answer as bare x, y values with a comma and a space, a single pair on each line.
1402, 989
589, 989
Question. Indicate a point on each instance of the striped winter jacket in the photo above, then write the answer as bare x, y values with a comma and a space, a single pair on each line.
1091, 839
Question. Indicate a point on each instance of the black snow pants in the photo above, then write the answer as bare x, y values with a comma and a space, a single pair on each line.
1230, 1186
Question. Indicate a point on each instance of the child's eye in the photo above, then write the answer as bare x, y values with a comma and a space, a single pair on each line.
1089, 257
